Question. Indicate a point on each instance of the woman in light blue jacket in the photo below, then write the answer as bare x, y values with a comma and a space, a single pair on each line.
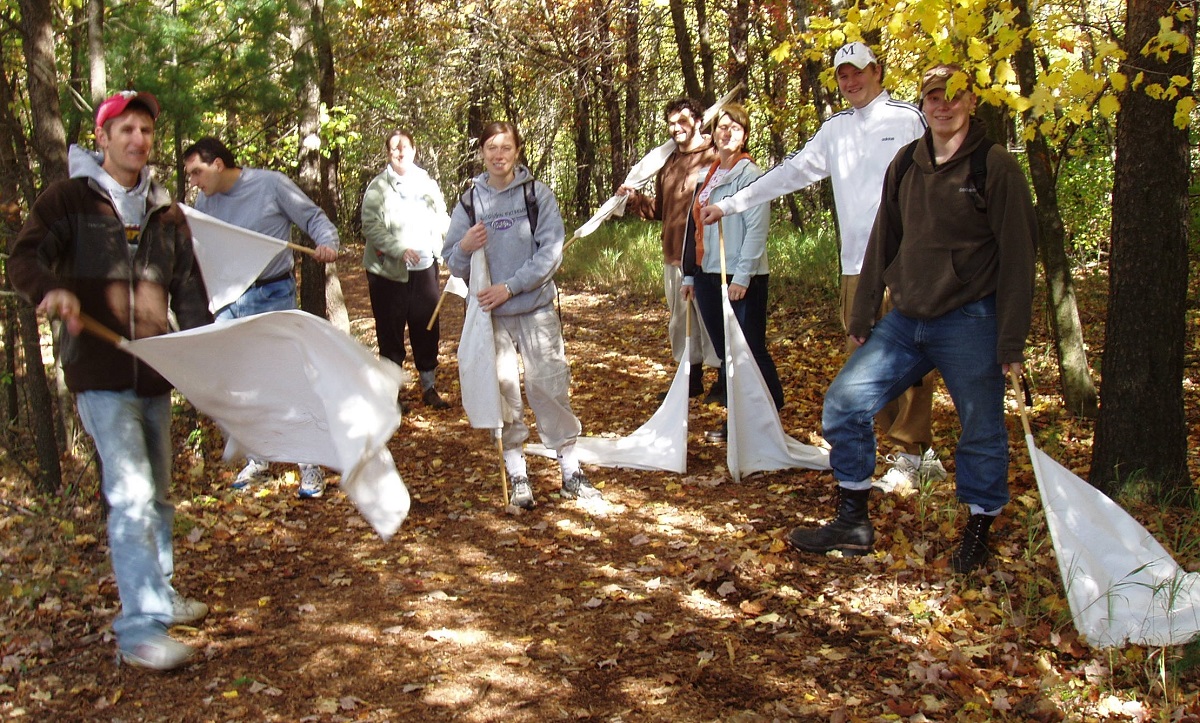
745, 252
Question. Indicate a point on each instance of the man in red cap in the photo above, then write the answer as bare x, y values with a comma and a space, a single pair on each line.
110, 243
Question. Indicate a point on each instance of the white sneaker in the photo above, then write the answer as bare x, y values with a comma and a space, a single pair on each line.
908, 471
158, 653
312, 481
185, 610
256, 470
931, 466
904, 475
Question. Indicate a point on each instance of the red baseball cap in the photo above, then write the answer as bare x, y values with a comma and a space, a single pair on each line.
116, 104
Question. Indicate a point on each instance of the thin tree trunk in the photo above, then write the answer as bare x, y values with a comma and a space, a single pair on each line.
97, 69
1075, 378
687, 56
708, 94
633, 96
41, 406
1141, 435
49, 137
618, 161
314, 59
585, 152
50, 144
739, 39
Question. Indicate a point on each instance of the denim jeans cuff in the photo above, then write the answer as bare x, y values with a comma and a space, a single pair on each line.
855, 486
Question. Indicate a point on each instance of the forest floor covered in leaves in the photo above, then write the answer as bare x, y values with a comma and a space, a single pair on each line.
675, 599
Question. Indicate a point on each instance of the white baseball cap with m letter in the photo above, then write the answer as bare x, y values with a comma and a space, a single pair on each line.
856, 54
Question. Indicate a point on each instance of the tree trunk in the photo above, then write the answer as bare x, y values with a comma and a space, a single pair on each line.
313, 58
335, 300
1141, 435
775, 88
41, 406
618, 161
50, 144
739, 38
585, 152
8, 320
633, 96
97, 70
708, 94
49, 137
1075, 378
687, 56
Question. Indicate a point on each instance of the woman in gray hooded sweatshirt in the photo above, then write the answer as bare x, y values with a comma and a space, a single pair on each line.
521, 232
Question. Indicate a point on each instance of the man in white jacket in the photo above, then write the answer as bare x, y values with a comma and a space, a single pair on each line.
853, 148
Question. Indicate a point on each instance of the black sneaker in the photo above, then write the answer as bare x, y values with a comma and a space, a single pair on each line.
521, 494
577, 486
433, 400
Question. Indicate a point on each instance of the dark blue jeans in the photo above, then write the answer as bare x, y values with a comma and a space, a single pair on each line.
751, 313
900, 351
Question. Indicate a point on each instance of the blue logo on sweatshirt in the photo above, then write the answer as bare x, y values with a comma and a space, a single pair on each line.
502, 224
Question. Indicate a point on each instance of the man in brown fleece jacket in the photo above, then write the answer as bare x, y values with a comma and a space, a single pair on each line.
109, 242
958, 261
672, 204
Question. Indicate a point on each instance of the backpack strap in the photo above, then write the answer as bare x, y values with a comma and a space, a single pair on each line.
902, 166
979, 173
531, 206
467, 201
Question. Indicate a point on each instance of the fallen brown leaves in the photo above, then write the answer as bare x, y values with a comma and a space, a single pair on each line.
676, 599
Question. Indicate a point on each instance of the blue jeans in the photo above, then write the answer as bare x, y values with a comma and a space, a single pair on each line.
275, 296
133, 438
900, 351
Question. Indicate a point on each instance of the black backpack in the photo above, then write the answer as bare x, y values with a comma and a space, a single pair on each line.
467, 201
978, 171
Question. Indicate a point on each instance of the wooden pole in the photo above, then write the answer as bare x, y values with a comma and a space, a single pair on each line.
721, 237
436, 310
503, 470
301, 249
95, 328
1016, 384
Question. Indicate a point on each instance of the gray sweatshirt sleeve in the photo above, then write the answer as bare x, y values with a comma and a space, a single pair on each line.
457, 260
301, 210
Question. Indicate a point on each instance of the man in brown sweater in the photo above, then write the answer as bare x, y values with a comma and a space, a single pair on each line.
672, 204
110, 243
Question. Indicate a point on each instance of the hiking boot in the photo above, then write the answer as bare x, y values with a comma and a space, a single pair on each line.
185, 611
909, 471
695, 385
972, 550
579, 487
312, 482
718, 435
255, 471
521, 494
433, 400
158, 653
716, 394
851, 532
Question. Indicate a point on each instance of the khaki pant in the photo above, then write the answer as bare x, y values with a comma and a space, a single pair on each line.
534, 342
906, 422
702, 346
